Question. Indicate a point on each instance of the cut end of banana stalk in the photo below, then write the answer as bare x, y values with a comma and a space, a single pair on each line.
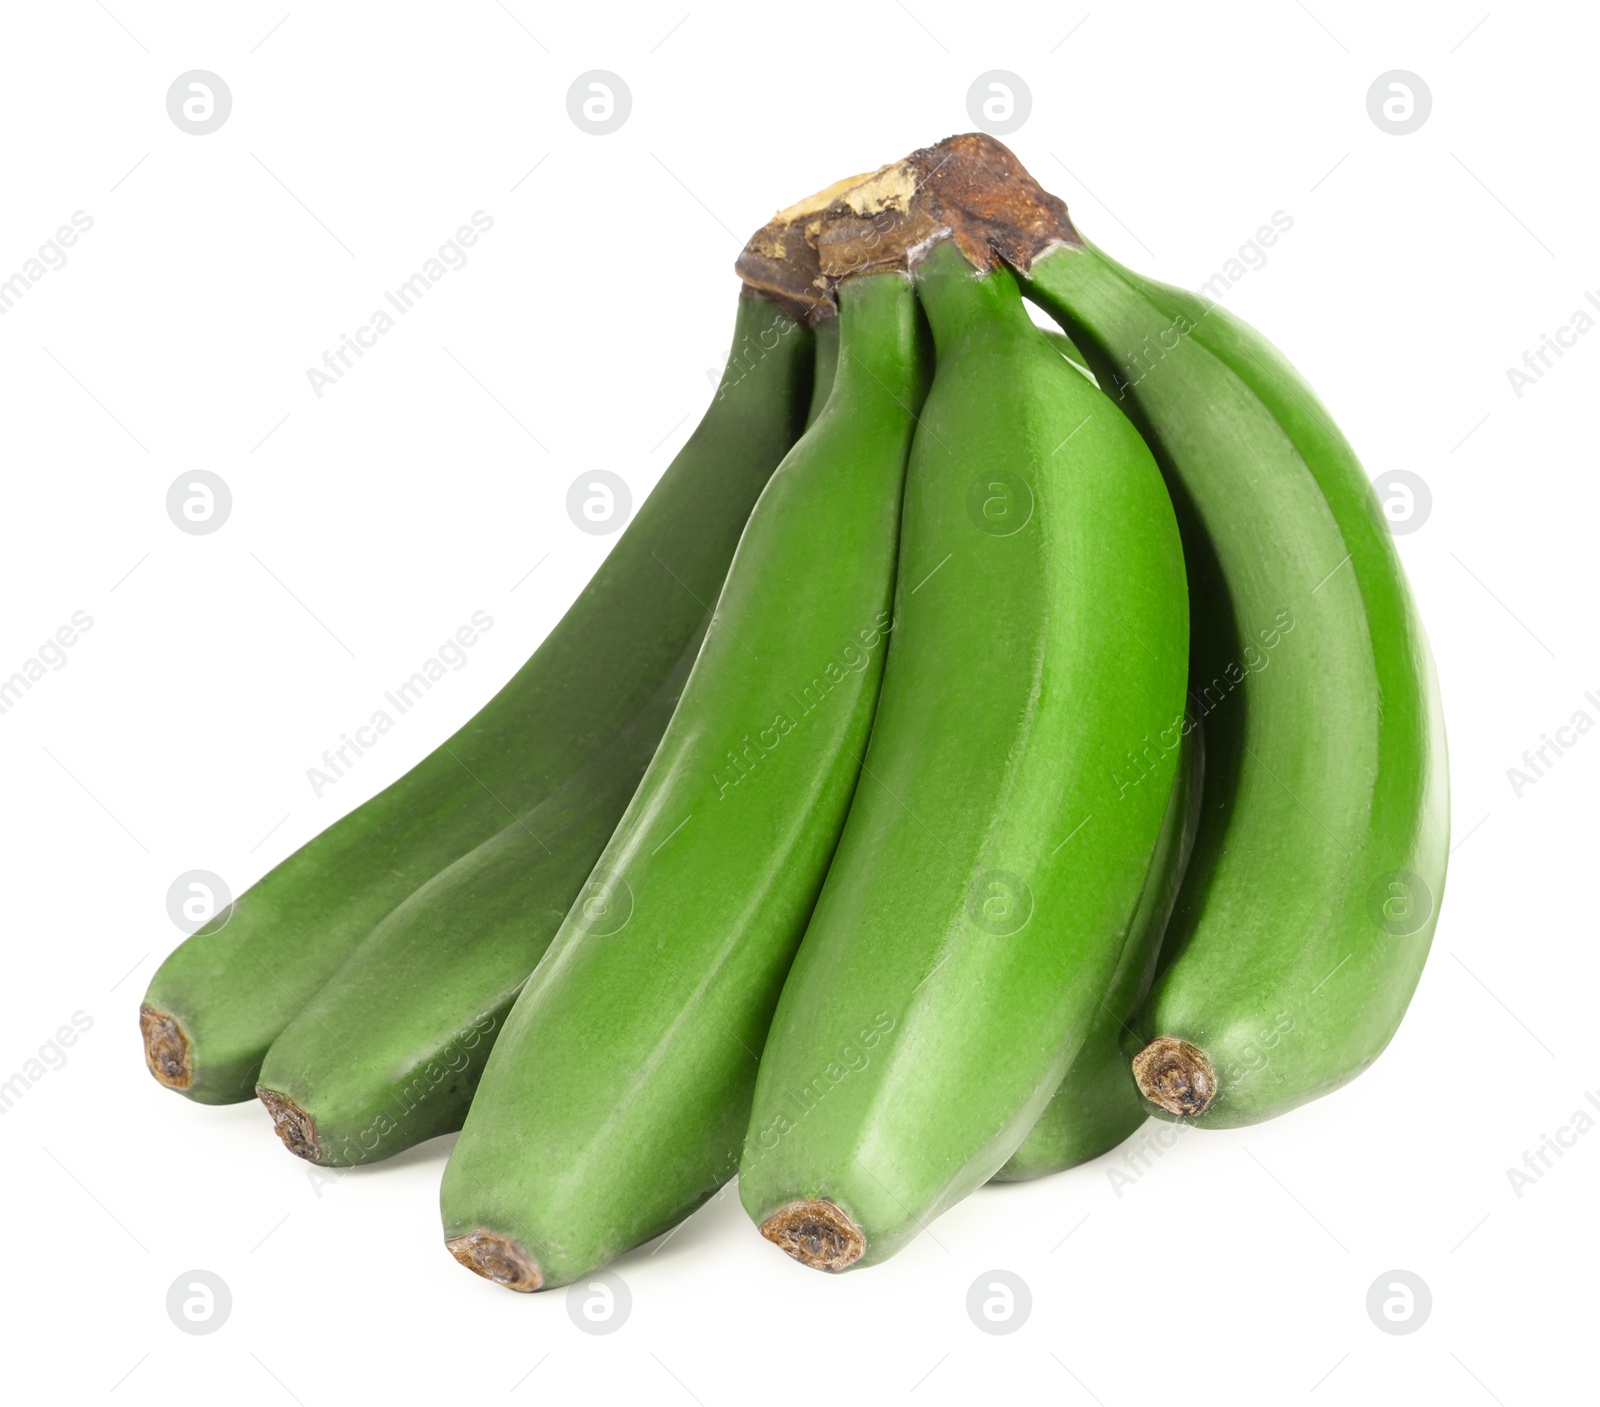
970, 189
1175, 1076
816, 1233
497, 1258
779, 261
292, 1124
166, 1048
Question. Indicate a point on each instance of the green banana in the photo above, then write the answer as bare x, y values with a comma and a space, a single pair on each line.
616, 1097
389, 1051
1063, 344
976, 907
222, 997
1309, 903
826, 331
1097, 1106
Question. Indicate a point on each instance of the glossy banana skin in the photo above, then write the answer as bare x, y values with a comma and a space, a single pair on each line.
1310, 900
234, 985
976, 907
1097, 1106
616, 1099
389, 1051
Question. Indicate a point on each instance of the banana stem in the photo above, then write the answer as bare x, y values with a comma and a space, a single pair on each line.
824, 364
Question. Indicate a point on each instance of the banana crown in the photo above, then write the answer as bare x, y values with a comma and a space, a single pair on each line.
968, 189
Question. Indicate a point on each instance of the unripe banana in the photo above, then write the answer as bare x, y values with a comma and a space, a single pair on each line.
616, 1098
389, 1051
222, 997
978, 902
1310, 900
1096, 1105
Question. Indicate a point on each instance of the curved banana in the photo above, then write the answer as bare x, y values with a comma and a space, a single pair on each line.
616, 1098
389, 1051
222, 997
1311, 897
977, 905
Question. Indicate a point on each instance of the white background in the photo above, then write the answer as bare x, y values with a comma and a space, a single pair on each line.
369, 524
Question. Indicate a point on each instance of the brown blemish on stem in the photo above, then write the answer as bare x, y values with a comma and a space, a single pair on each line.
816, 1233
1175, 1076
166, 1048
780, 262
970, 189
497, 1258
292, 1124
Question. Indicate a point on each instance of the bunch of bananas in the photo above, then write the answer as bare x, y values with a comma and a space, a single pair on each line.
1063, 747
